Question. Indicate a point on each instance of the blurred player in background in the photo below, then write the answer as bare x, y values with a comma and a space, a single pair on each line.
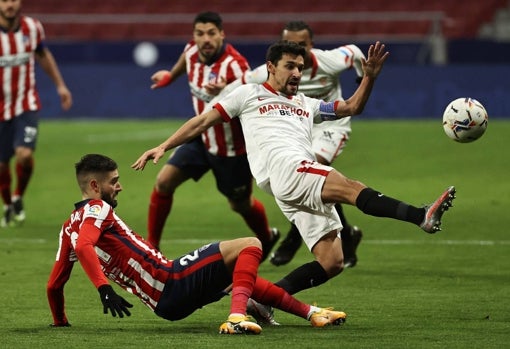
172, 289
21, 43
210, 63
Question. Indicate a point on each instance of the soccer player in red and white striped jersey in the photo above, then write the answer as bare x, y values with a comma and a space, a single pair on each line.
107, 248
21, 44
210, 63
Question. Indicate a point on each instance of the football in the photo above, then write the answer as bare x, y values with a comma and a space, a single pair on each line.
465, 120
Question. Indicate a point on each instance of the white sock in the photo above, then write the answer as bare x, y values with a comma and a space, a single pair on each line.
313, 309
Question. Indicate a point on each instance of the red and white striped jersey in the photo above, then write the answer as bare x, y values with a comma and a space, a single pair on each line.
224, 139
125, 257
17, 75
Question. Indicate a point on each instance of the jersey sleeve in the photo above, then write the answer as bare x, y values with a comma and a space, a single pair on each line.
255, 76
89, 234
59, 276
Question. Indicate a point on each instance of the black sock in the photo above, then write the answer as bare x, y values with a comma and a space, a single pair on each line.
304, 277
347, 229
293, 233
376, 204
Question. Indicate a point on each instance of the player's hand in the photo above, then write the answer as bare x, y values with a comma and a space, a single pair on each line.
155, 154
214, 88
377, 55
113, 302
161, 78
66, 99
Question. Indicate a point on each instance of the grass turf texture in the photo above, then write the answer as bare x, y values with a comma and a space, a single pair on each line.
409, 289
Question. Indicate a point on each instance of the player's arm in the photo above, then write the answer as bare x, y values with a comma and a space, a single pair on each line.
163, 78
47, 62
87, 239
59, 276
189, 130
372, 66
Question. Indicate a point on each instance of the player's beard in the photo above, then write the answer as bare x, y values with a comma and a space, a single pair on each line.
10, 17
109, 199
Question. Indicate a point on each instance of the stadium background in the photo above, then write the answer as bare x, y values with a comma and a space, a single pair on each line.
440, 50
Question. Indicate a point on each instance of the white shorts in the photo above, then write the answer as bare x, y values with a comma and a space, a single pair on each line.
330, 137
299, 198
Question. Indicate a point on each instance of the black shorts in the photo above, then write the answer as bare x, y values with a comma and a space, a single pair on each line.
232, 174
20, 131
199, 278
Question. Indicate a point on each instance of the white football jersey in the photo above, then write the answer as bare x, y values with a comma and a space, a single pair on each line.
320, 81
277, 128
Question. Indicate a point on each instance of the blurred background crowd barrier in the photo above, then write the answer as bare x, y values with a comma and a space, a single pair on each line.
440, 50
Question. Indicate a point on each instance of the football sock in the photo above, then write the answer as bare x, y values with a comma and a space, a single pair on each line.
268, 293
376, 204
293, 233
347, 228
159, 209
243, 278
23, 174
5, 186
256, 219
304, 277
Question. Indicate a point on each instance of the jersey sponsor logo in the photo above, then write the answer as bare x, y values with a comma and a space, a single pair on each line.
15, 60
283, 110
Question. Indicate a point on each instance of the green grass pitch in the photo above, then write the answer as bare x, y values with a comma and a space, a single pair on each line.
409, 289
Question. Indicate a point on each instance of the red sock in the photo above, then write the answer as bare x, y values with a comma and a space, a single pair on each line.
243, 278
159, 209
257, 221
265, 292
5, 186
23, 174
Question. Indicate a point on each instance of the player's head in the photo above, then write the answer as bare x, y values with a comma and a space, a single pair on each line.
298, 32
285, 63
208, 34
9, 10
98, 178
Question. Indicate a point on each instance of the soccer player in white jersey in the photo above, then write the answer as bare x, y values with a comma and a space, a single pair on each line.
320, 79
209, 62
21, 44
277, 123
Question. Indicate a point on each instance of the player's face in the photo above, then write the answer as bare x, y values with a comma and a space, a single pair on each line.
9, 9
286, 75
209, 39
110, 187
301, 37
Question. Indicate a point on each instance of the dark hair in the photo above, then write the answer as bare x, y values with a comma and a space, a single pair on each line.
94, 163
209, 17
295, 26
279, 48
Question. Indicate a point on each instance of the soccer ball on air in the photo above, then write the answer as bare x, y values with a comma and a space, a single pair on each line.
465, 120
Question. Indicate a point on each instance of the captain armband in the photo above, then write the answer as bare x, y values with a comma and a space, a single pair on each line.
327, 110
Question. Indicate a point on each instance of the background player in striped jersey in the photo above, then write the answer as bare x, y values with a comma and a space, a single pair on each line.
108, 249
277, 123
209, 63
21, 42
